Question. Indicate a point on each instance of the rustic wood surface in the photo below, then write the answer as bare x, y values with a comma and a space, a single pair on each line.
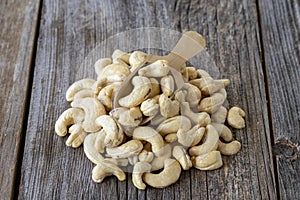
254, 43
280, 22
18, 21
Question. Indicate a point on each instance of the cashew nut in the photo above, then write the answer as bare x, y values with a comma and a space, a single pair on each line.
138, 170
201, 118
146, 156
168, 108
219, 116
128, 149
202, 73
114, 72
210, 143
211, 86
180, 154
106, 94
158, 161
78, 86
77, 135
157, 69
100, 141
193, 95
104, 169
140, 92
127, 117
209, 161
118, 54
180, 95
101, 64
123, 162
167, 85
235, 117
84, 93
213, 103
172, 125
68, 117
137, 59
229, 148
90, 150
149, 107
133, 159
172, 137
155, 88
192, 73
223, 131
168, 176
191, 137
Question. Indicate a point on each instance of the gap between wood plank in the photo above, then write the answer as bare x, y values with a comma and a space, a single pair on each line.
20, 149
266, 81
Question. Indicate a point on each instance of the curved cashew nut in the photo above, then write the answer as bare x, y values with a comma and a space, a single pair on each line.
118, 54
203, 74
192, 137
235, 117
224, 131
90, 150
209, 161
136, 59
123, 162
168, 176
146, 156
210, 87
197, 118
150, 135
78, 86
114, 136
68, 117
104, 169
167, 85
180, 154
77, 135
158, 161
128, 149
106, 94
213, 103
127, 117
101, 64
229, 148
193, 95
168, 108
155, 88
99, 141
210, 143
219, 116
172, 125
180, 95
149, 107
157, 69
115, 72
84, 93
172, 137
133, 159
192, 73
140, 92
138, 170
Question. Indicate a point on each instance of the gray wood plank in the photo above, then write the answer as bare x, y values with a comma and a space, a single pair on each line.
280, 22
70, 30
18, 21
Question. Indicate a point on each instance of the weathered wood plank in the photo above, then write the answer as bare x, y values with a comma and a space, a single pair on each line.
281, 42
70, 30
18, 21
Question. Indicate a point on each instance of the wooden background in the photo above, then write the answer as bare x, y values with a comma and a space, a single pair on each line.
255, 43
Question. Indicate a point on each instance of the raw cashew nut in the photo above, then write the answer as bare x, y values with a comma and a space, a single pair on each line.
92, 109
90, 150
68, 117
193, 95
158, 161
180, 95
84, 93
192, 137
235, 117
172, 125
168, 176
192, 73
155, 88
229, 148
104, 169
127, 117
106, 94
167, 85
157, 69
168, 108
223, 131
203, 74
201, 118
172, 137
138, 170
101, 64
210, 143
133, 159
140, 92
115, 72
146, 156
150, 135
128, 149
149, 107
100, 141
211, 87
118, 54
213, 103
180, 154
78, 86
136, 59
219, 116
77, 135
209, 161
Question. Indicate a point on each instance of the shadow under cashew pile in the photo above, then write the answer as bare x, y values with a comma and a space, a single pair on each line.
157, 127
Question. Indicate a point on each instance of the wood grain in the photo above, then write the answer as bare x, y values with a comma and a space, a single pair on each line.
70, 30
18, 22
281, 41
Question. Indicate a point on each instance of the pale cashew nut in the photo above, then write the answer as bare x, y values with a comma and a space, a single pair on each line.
168, 108
213, 103
101, 64
137, 59
92, 109
180, 154
150, 135
77, 135
78, 86
133, 159
149, 107
123, 162
191, 137
212, 87
192, 73
158, 161
229, 148
180, 95
224, 131
155, 88
123, 56
168, 176
114, 72
127, 117
128, 149
100, 141
193, 95
90, 150
209, 161
201, 118
172, 125
146, 156
106, 94
203, 74
219, 116
140, 92
235, 117
84, 93
159, 68
167, 85
68, 117
172, 137
104, 169
138, 170
99, 84
210, 143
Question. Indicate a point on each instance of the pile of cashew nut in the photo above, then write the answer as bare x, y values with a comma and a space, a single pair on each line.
159, 129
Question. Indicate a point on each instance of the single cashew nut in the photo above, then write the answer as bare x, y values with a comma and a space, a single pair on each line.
192, 73
210, 143
90, 150
203, 74
101, 64
201, 118
138, 170
159, 68
155, 88
168, 176
140, 92
180, 95
149, 107
172, 137
191, 137
168, 108
229, 148
167, 85
68, 117
78, 86
84, 93
120, 55
223, 131
114, 72
146, 156
193, 95
172, 125
213, 103
136, 59
104, 169
100, 141
211, 87
127, 117
219, 116
92, 109
77, 135
106, 94
235, 117
180, 154
209, 161
128, 149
